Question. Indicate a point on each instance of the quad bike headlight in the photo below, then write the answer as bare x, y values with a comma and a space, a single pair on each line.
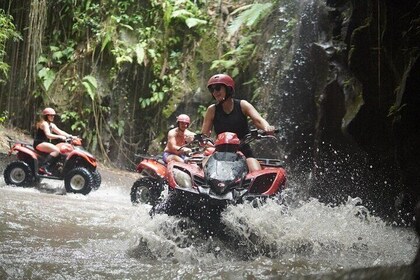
182, 179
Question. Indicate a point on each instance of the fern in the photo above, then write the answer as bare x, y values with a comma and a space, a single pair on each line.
250, 16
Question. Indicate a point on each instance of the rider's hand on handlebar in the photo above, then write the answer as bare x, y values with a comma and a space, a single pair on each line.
269, 129
186, 150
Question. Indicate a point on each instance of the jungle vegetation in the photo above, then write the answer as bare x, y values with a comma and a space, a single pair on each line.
118, 70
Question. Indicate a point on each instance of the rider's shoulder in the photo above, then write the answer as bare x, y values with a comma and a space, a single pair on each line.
43, 124
245, 105
172, 131
243, 102
211, 109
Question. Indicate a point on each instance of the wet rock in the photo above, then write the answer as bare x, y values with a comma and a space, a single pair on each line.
416, 262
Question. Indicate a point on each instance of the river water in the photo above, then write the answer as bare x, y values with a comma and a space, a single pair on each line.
47, 234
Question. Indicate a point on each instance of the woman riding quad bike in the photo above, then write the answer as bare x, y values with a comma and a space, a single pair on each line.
74, 165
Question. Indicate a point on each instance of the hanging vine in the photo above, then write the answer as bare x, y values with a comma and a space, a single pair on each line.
35, 36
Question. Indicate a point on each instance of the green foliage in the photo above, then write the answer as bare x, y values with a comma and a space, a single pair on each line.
52, 60
80, 124
160, 36
90, 84
4, 117
7, 32
47, 77
249, 16
175, 15
395, 110
201, 111
118, 126
74, 118
237, 58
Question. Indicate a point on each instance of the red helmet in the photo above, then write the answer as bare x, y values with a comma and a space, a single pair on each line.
48, 111
183, 118
222, 79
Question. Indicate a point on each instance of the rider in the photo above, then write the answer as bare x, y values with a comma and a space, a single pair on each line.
46, 131
177, 137
231, 115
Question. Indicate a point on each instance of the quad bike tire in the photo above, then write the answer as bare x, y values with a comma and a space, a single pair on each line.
97, 178
20, 174
146, 191
79, 180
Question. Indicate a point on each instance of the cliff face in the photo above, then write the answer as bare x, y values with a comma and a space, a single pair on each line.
382, 54
348, 101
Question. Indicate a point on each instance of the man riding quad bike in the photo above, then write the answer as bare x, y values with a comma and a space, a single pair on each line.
203, 189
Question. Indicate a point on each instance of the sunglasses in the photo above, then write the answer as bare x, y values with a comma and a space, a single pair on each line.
215, 88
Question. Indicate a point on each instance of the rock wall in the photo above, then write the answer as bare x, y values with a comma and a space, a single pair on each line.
347, 102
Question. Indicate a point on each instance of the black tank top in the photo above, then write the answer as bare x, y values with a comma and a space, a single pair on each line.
235, 121
40, 137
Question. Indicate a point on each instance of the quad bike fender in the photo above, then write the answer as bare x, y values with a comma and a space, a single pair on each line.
65, 148
22, 149
187, 168
153, 166
171, 178
267, 181
77, 153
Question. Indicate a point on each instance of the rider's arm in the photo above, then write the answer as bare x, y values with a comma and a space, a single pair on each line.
46, 128
58, 131
256, 118
172, 146
208, 120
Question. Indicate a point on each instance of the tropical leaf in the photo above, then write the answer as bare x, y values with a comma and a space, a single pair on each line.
139, 50
249, 17
181, 14
107, 38
90, 83
191, 22
47, 77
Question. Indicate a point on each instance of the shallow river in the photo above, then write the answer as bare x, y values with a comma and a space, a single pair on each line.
47, 234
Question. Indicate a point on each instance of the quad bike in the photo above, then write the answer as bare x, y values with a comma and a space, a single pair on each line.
206, 189
154, 177
75, 166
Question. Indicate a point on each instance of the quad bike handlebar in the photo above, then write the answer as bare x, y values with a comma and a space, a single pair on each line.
201, 142
202, 139
197, 148
256, 134
73, 140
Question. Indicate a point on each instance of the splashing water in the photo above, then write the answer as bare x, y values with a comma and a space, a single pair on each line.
102, 236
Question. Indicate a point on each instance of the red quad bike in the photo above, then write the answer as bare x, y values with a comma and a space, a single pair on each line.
154, 177
152, 182
204, 190
75, 166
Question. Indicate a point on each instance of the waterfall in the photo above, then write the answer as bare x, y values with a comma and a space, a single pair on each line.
312, 97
